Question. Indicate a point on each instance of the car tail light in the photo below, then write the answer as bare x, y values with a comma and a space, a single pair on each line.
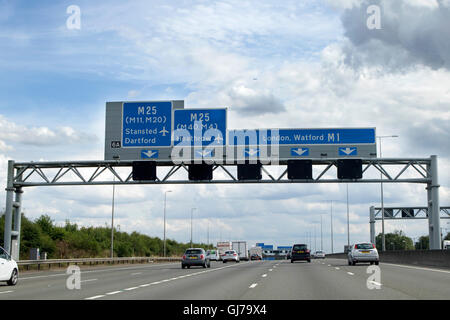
201, 256
373, 245
234, 254
307, 251
356, 247
184, 257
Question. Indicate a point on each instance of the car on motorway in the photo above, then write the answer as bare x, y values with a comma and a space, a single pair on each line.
255, 257
9, 271
300, 252
363, 252
230, 255
195, 257
213, 255
319, 255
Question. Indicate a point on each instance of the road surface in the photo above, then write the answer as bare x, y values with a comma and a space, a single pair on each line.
254, 280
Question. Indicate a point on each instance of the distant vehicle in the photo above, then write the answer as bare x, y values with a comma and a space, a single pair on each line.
222, 247
319, 255
300, 252
230, 255
255, 257
288, 255
213, 255
195, 257
241, 249
9, 271
363, 252
256, 250
446, 245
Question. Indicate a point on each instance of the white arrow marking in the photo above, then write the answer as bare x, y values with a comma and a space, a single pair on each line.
204, 153
252, 152
300, 151
149, 153
348, 150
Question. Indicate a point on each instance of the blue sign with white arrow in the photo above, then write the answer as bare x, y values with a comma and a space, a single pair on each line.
204, 153
149, 154
200, 127
146, 124
299, 152
347, 151
251, 152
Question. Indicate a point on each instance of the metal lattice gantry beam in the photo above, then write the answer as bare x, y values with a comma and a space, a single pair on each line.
32, 174
397, 213
82, 173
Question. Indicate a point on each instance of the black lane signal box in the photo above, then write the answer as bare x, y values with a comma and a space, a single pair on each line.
349, 168
144, 170
251, 171
198, 172
299, 169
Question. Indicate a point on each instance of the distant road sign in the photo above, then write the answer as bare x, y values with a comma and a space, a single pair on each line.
302, 136
146, 124
206, 127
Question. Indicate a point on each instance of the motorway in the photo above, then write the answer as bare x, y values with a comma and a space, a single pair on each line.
268, 280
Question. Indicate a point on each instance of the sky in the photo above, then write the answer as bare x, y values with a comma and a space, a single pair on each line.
273, 64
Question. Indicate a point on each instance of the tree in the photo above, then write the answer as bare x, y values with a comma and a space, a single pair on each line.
423, 243
395, 241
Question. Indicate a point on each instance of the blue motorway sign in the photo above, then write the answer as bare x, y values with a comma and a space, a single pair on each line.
147, 124
200, 127
301, 136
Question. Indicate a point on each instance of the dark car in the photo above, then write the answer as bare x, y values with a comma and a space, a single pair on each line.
195, 257
300, 252
255, 257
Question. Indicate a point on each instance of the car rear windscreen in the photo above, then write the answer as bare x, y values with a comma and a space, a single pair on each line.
364, 246
229, 252
299, 247
193, 251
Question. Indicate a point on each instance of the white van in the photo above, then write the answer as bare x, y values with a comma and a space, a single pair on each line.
9, 271
213, 255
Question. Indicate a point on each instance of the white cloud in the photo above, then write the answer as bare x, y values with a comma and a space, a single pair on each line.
41, 136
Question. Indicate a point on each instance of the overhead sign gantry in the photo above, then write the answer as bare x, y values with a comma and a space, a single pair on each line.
144, 137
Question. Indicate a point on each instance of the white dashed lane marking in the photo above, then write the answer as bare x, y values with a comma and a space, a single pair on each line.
264, 275
253, 285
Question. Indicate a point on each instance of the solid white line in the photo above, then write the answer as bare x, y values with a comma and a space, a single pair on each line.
136, 273
352, 274
145, 285
114, 292
264, 275
6, 291
95, 297
88, 280
418, 268
253, 285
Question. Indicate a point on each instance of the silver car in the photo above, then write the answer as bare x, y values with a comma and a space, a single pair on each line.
195, 257
230, 255
319, 255
363, 252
